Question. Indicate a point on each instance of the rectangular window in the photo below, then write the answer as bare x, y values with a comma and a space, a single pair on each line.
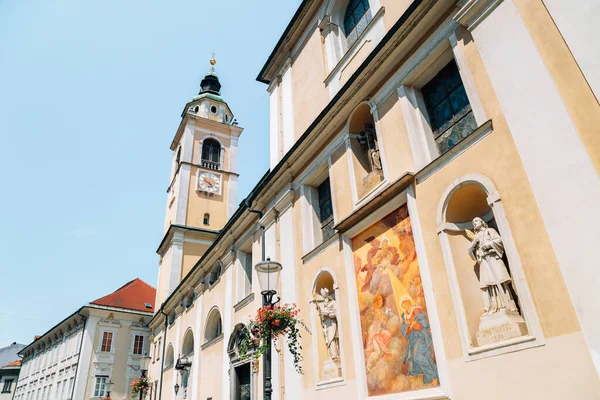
448, 108
106, 341
325, 209
245, 274
157, 350
100, 386
7, 385
138, 344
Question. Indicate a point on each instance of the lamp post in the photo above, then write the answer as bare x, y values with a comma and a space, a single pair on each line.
268, 277
108, 386
144, 364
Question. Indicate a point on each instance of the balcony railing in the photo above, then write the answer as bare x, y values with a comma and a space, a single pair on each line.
210, 164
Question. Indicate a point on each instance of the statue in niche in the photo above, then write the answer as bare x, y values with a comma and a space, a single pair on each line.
494, 280
327, 308
368, 142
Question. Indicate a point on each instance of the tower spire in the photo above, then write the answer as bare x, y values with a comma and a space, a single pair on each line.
210, 83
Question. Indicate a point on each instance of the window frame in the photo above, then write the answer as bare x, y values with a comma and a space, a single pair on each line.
365, 18
96, 392
135, 335
217, 153
434, 54
9, 382
101, 340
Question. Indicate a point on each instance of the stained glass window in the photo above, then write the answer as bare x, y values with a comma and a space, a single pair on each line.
448, 107
356, 19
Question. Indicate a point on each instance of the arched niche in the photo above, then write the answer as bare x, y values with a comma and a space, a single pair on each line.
469, 197
364, 145
169, 356
187, 348
214, 327
326, 327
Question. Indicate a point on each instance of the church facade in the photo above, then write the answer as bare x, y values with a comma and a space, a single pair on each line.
432, 198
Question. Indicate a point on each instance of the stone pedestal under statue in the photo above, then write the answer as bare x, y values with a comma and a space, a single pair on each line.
501, 325
331, 370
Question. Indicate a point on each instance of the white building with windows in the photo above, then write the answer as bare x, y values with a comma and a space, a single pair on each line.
100, 342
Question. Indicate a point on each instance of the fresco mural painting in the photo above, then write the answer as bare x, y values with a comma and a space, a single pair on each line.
397, 341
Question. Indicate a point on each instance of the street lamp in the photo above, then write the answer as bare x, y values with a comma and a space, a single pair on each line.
144, 364
108, 387
268, 278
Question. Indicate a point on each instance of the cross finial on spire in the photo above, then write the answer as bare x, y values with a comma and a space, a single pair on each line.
213, 61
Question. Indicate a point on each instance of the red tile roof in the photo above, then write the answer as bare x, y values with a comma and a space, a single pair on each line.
16, 363
132, 296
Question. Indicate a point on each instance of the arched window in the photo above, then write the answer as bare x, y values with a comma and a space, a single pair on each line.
188, 343
214, 327
170, 356
211, 154
207, 219
356, 19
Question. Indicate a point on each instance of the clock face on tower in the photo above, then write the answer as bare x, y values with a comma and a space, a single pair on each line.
209, 182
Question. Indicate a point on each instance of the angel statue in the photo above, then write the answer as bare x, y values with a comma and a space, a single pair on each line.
494, 280
327, 308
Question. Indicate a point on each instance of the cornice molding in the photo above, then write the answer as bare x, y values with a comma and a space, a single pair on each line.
472, 12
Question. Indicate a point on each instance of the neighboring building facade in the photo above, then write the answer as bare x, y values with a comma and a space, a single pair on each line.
101, 342
433, 198
9, 374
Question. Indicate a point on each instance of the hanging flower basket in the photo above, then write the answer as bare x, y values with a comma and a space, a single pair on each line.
278, 321
140, 385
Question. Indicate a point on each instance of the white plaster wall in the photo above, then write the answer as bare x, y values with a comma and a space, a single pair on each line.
87, 347
227, 328
293, 381
563, 179
578, 25
287, 110
274, 126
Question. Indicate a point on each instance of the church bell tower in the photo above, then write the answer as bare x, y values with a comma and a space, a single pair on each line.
202, 190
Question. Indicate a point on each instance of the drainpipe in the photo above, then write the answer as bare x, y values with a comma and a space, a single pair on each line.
85, 320
162, 358
262, 228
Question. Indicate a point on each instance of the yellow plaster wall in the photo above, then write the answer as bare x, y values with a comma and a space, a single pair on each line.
200, 203
393, 11
393, 133
340, 178
496, 157
581, 104
191, 254
355, 61
538, 373
163, 277
121, 346
310, 95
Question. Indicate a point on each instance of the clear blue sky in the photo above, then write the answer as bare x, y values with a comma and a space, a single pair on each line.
91, 94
